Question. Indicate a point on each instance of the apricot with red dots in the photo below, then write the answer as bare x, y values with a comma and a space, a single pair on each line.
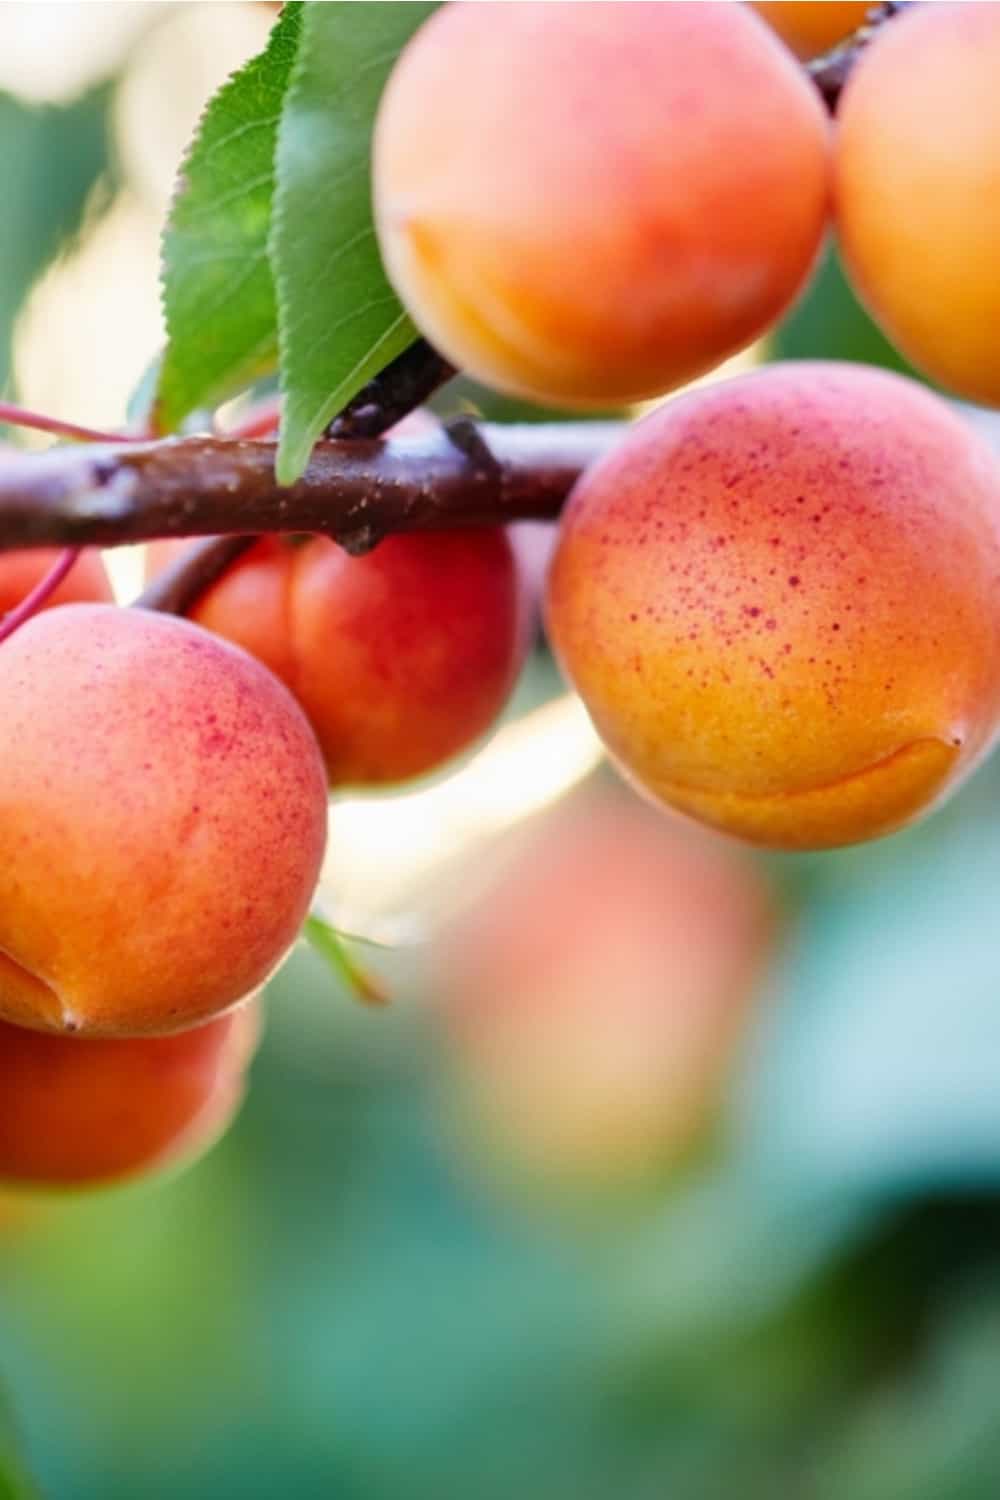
79, 1113
593, 203
778, 599
917, 200
162, 818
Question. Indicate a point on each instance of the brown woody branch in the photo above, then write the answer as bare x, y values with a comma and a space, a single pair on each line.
830, 72
355, 492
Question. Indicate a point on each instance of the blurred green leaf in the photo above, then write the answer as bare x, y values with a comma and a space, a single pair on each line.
828, 322
339, 320
51, 161
218, 295
877, 1069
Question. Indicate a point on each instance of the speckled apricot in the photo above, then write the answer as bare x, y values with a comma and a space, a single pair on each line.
593, 993
400, 659
779, 598
79, 1113
21, 571
162, 819
918, 190
811, 27
592, 203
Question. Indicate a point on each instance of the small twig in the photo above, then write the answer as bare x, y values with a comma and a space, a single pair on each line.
33, 601
406, 383
21, 416
403, 385
182, 582
830, 72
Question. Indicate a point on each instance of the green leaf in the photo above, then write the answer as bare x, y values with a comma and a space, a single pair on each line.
339, 321
218, 296
52, 160
332, 944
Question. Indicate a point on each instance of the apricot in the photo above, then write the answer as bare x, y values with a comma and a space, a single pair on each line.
594, 993
593, 203
80, 1112
811, 27
162, 819
400, 659
918, 211
778, 599
21, 571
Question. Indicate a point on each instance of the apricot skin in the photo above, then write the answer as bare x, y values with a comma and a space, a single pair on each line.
21, 571
162, 817
811, 27
593, 994
400, 659
80, 1113
592, 203
779, 600
918, 211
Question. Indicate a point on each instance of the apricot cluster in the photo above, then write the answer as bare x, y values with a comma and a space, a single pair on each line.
163, 813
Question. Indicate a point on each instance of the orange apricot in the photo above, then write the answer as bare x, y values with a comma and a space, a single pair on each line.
594, 993
811, 27
20, 571
593, 203
400, 659
779, 599
80, 1113
162, 818
917, 200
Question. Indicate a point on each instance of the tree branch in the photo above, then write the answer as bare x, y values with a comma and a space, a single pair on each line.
355, 492
830, 72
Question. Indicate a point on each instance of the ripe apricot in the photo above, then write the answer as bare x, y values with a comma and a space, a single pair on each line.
162, 818
592, 203
778, 599
80, 1112
21, 571
594, 992
811, 27
918, 211
400, 659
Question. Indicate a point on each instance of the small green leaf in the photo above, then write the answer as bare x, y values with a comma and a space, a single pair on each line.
218, 296
339, 321
332, 945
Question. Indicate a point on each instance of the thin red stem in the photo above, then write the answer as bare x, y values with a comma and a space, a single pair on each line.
33, 601
20, 416
262, 420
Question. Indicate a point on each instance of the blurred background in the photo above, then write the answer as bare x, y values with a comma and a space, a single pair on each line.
671, 1170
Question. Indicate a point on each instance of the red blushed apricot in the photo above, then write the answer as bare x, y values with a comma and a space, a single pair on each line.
80, 1113
811, 27
594, 993
21, 571
593, 203
918, 190
779, 599
400, 659
162, 819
